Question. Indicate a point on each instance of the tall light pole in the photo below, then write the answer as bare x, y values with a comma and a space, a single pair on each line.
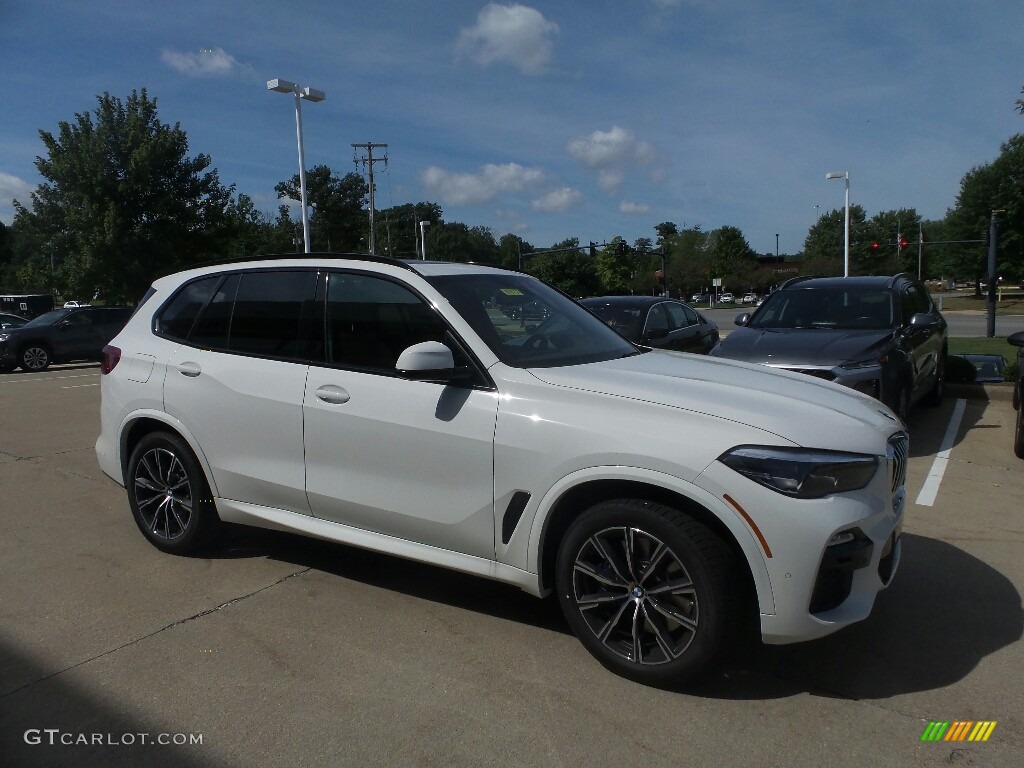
309, 94
846, 220
423, 238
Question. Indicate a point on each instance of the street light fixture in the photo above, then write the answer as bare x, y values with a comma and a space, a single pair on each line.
423, 238
309, 94
846, 219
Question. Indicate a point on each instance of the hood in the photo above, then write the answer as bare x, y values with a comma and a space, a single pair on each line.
802, 346
800, 409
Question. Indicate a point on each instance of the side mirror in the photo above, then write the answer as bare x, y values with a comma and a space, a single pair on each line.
1017, 339
429, 361
742, 318
922, 320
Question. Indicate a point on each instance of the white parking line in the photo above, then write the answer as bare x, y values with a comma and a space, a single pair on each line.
26, 380
79, 386
930, 489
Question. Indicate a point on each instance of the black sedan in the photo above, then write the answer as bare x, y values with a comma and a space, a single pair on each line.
1017, 339
655, 322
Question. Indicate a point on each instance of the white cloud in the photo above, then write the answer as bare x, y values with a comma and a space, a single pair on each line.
204, 63
633, 209
611, 154
11, 188
510, 34
558, 200
477, 188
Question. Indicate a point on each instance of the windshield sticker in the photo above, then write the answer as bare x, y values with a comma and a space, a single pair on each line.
511, 291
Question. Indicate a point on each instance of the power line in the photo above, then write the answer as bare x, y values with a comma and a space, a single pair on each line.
368, 160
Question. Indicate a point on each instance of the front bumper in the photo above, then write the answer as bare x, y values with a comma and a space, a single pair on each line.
829, 557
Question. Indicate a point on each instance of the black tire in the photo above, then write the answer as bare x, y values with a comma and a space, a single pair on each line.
169, 496
938, 391
34, 358
614, 573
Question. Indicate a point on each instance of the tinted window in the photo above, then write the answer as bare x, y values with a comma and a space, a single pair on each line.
680, 316
177, 318
50, 318
826, 308
268, 311
657, 320
371, 321
212, 327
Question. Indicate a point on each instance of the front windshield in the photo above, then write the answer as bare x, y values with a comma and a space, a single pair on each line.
47, 319
826, 308
528, 324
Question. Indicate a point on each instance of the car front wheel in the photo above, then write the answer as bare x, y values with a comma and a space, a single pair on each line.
35, 357
169, 496
648, 590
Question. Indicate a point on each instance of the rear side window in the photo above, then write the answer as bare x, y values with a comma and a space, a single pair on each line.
180, 315
268, 313
213, 325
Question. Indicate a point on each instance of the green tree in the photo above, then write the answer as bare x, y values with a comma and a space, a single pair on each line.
732, 258
122, 203
398, 228
337, 219
824, 245
689, 260
995, 186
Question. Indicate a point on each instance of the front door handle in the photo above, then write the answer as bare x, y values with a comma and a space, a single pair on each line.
189, 369
329, 393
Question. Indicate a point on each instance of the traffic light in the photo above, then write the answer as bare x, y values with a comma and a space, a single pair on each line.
593, 250
874, 247
903, 243
620, 248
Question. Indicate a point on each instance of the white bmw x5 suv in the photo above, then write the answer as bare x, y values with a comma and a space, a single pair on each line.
414, 408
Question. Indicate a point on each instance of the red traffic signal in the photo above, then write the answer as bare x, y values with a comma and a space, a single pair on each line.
903, 243
874, 246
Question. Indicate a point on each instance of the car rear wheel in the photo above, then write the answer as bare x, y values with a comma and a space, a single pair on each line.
34, 357
649, 591
169, 496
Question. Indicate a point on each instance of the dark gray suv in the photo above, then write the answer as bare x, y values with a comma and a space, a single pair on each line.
879, 335
60, 336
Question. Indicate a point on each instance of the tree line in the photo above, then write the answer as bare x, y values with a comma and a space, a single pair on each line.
123, 203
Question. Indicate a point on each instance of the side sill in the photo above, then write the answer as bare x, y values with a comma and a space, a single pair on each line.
267, 517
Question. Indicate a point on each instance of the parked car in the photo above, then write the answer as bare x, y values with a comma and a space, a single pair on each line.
392, 405
656, 322
8, 320
749, 298
60, 336
988, 368
70, 304
1017, 339
879, 335
726, 298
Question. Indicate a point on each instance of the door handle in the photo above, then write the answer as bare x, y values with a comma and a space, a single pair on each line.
329, 393
189, 369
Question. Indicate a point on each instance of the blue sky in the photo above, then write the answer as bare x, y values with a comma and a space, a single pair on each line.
575, 118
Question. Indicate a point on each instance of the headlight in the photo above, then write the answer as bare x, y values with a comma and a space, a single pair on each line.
800, 472
873, 362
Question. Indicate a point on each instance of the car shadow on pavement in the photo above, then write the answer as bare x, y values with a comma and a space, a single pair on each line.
945, 611
427, 582
50, 720
60, 368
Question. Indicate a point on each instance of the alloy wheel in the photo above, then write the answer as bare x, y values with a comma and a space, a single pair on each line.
635, 595
163, 493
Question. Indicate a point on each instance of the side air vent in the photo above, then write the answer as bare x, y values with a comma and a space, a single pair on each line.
513, 512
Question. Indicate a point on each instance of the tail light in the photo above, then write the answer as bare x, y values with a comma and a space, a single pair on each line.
111, 357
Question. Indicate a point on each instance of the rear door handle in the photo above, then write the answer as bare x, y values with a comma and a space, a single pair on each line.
189, 369
329, 393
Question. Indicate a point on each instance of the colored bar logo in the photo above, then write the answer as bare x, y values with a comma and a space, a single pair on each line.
958, 730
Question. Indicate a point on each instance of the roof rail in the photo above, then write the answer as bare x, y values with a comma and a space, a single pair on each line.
314, 255
799, 279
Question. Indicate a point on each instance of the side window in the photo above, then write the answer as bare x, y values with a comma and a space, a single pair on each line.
656, 319
370, 321
213, 325
680, 316
78, 319
912, 302
268, 312
177, 318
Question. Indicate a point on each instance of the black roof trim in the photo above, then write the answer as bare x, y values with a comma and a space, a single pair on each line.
891, 280
315, 255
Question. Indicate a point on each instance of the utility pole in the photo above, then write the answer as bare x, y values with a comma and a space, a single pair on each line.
368, 160
993, 279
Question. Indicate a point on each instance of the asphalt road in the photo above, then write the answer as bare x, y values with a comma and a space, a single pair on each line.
280, 651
